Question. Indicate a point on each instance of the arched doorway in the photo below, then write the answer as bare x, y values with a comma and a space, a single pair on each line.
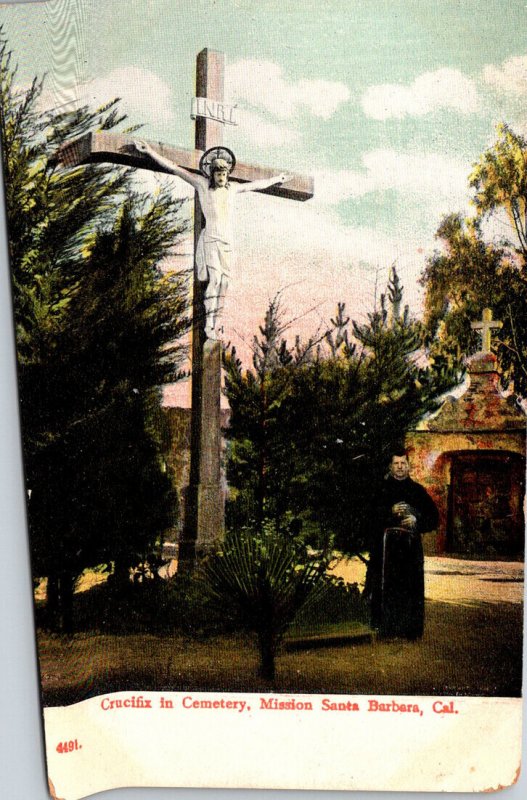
485, 505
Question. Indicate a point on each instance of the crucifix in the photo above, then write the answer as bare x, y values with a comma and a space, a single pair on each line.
204, 508
485, 328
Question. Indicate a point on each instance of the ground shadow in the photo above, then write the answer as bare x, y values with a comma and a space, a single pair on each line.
473, 650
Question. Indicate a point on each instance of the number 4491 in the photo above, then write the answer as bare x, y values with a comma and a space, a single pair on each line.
68, 747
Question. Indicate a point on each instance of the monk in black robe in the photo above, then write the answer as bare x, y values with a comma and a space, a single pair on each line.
404, 512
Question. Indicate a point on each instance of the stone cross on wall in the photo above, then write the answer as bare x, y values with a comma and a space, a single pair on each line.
204, 513
485, 328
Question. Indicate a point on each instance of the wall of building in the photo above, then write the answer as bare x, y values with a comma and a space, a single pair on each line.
430, 454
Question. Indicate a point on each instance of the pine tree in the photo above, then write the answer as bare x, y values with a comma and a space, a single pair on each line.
256, 430
365, 402
309, 437
98, 324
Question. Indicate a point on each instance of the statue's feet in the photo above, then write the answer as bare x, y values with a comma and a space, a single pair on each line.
211, 334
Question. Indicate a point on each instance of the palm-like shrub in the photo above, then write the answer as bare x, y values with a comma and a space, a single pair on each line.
267, 578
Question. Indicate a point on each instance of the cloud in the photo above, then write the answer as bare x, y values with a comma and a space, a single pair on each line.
424, 175
318, 260
511, 76
142, 92
261, 84
431, 91
144, 95
255, 129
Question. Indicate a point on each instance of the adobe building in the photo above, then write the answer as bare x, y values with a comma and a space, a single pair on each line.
470, 456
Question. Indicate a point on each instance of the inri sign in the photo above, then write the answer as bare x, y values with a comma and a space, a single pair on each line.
212, 109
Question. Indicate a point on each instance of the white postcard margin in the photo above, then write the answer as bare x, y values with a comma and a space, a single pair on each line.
275, 741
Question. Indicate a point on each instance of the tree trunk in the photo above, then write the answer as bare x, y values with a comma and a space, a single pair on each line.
66, 584
267, 645
121, 576
59, 602
52, 602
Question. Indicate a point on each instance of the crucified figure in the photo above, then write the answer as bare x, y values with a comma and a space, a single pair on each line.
214, 250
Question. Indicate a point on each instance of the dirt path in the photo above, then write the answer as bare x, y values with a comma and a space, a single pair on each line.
455, 580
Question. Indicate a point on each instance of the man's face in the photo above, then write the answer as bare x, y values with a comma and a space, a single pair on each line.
399, 467
220, 177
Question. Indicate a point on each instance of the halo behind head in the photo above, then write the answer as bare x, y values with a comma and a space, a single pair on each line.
217, 157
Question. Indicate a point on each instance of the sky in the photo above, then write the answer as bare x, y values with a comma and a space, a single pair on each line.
387, 103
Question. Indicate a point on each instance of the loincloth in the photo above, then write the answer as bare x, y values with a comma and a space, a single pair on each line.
212, 254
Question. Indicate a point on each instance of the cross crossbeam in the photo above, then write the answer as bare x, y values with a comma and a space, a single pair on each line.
485, 328
96, 148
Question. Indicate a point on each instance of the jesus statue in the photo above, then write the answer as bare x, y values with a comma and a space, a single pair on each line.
217, 196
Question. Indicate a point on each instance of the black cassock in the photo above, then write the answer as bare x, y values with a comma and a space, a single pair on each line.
397, 564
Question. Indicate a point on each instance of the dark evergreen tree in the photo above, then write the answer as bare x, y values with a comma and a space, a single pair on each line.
364, 403
260, 466
310, 435
98, 330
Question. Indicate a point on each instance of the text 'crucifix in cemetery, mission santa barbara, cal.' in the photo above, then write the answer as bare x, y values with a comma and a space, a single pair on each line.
206, 171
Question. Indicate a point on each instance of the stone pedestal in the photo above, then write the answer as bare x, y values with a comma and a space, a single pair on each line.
209, 513
204, 512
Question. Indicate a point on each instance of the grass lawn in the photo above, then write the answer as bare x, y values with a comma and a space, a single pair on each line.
466, 650
308, 637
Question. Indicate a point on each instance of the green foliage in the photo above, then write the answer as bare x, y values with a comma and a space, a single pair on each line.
150, 605
339, 602
361, 408
467, 276
263, 458
470, 274
267, 578
311, 431
500, 181
98, 330
338, 337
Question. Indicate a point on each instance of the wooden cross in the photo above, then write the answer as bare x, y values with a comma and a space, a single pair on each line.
485, 328
204, 513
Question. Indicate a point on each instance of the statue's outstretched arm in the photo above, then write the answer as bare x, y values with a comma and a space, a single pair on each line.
167, 164
265, 183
